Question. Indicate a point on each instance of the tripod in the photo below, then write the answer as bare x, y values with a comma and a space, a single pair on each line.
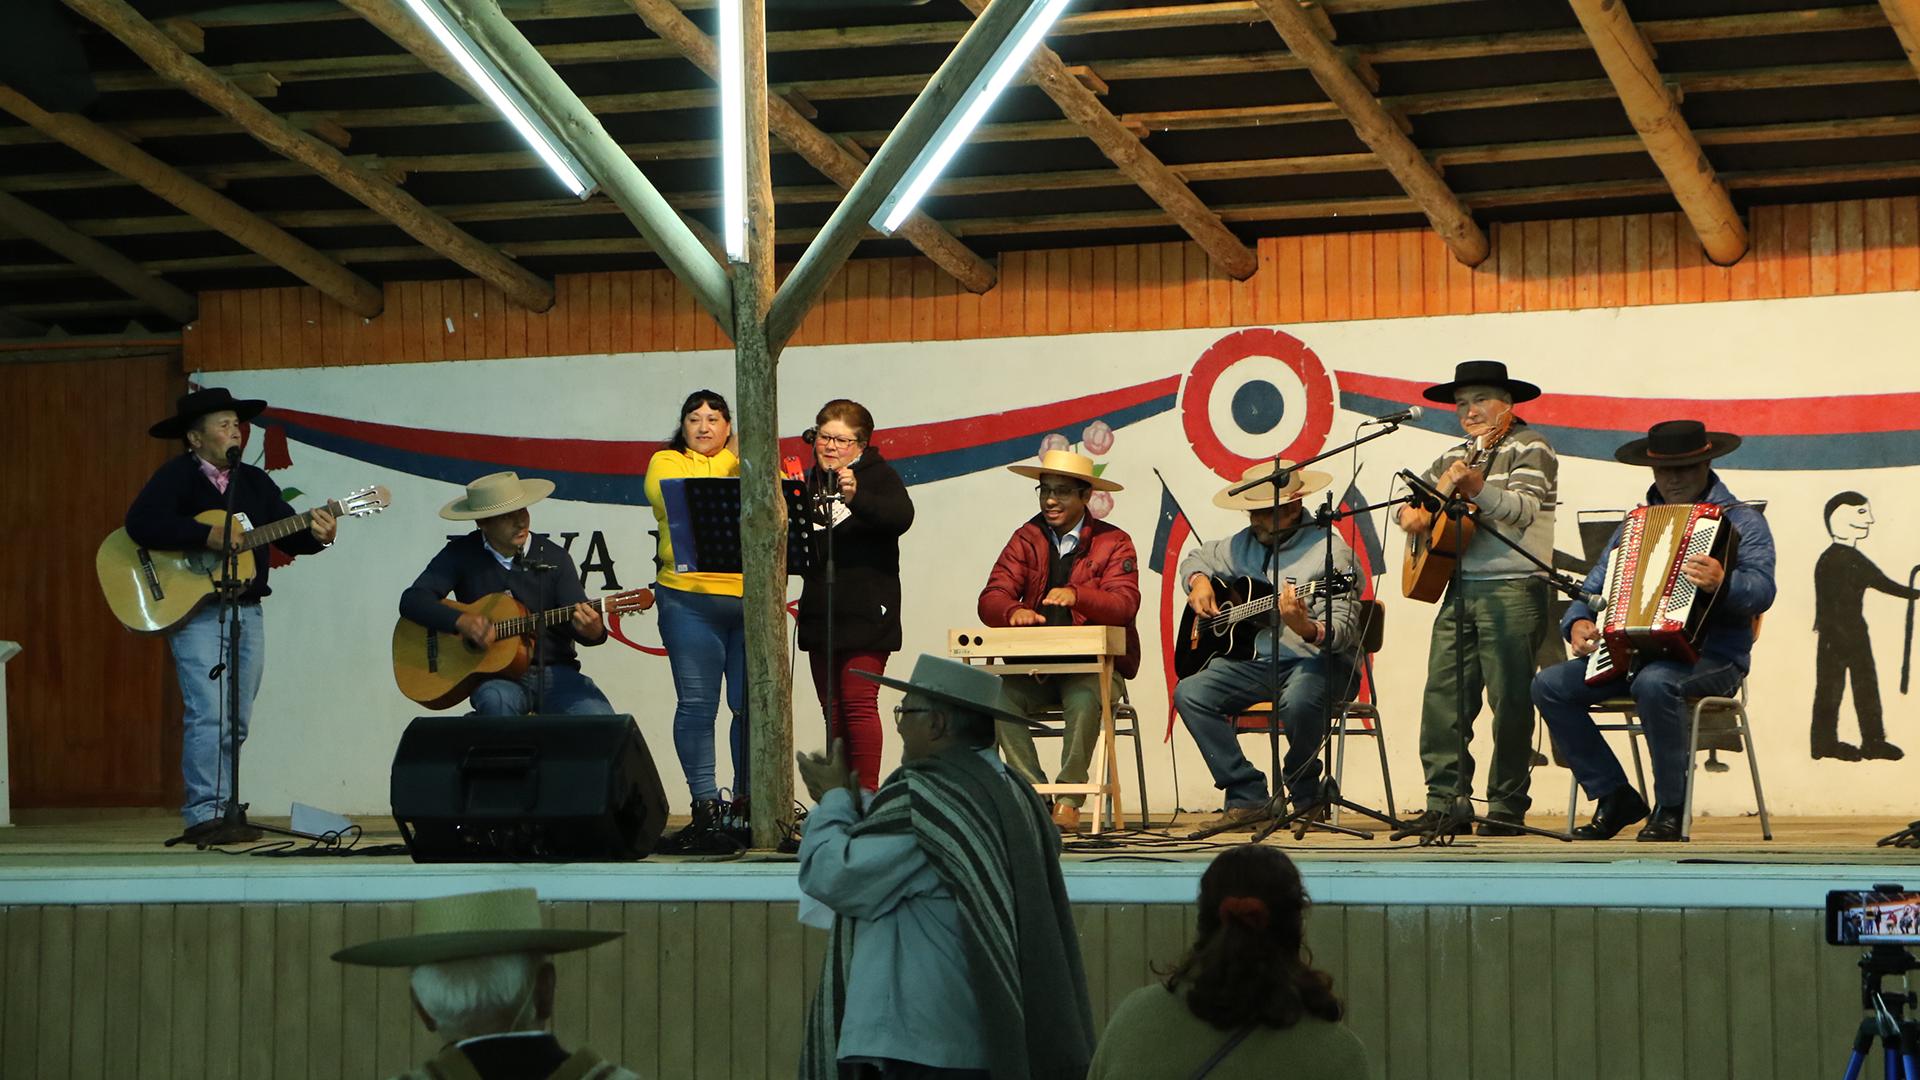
1908, 837
1886, 1017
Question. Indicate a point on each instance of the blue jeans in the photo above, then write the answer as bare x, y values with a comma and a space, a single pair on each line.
206, 758
1209, 699
706, 640
567, 692
1660, 691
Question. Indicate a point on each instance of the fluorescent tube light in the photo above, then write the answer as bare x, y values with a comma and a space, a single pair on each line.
966, 115
733, 131
502, 95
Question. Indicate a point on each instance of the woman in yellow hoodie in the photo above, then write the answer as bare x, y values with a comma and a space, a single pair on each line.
701, 627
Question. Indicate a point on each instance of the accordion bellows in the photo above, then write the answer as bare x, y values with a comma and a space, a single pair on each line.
1652, 611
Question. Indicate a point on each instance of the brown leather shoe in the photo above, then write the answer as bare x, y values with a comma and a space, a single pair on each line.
1235, 819
1067, 817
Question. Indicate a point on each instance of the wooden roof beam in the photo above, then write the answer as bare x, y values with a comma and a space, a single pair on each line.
1904, 16
1380, 130
828, 156
1121, 146
44, 229
1655, 111
201, 202
150, 44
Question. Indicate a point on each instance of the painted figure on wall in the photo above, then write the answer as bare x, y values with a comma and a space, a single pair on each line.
1841, 578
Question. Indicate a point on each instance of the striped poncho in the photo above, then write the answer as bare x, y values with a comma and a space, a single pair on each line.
991, 842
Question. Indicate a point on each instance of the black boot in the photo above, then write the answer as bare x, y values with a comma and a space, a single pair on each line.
1618, 809
1664, 827
704, 835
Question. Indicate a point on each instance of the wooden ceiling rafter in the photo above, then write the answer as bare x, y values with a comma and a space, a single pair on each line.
1654, 110
95, 258
1904, 17
131, 29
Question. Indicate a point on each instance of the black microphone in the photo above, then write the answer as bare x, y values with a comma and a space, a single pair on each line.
809, 435
233, 455
1426, 497
1411, 412
521, 562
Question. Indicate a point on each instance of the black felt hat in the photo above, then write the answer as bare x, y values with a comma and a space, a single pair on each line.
1482, 373
1677, 443
199, 403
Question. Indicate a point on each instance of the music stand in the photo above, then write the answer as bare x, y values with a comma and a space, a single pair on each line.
703, 523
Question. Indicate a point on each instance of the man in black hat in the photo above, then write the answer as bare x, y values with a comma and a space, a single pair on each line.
212, 425
1680, 453
1510, 473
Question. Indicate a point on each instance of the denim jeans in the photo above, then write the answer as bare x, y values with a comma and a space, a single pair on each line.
1209, 699
206, 758
1660, 691
706, 640
567, 692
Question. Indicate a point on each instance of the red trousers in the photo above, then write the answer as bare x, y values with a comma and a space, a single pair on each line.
857, 701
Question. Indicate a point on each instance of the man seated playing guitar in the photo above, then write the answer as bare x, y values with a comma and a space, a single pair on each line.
502, 555
1316, 658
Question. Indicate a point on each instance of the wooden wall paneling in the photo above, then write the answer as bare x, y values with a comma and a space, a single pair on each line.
1560, 259
679, 968
570, 976
1436, 275
412, 336
1386, 275
858, 303
686, 314
1146, 314
1704, 939
1313, 278
221, 996
445, 331
1850, 256
1617, 998
1662, 259
55, 990
1079, 290
946, 305
268, 330
313, 331
493, 330
637, 957
1289, 280
1339, 270
1638, 270
1876, 242
1185, 265
833, 309
1241, 292
926, 295
250, 326
967, 304
1836, 1012
900, 296
1491, 1033
1367, 979
1090, 923
1413, 291
1905, 215
258, 986
19, 1012
880, 298
1586, 263
1796, 261
1359, 283
1450, 1022
991, 323
157, 999
1103, 265
1033, 292
359, 994
193, 976
1265, 280
1718, 280
433, 317
121, 1037
660, 324
600, 314
1613, 262
576, 296
1220, 286
1326, 939
392, 1033
1533, 266
1749, 1029
1689, 259
1663, 999
333, 333
1530, 996
1795, 948
1823, 267
326, 935
1126, 956
292, 1007
1573, 990
748, 1008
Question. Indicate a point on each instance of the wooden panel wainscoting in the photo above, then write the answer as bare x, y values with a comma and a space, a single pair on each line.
91, 719
1870, 245
719, 989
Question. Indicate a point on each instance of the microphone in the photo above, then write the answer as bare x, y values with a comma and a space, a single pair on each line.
521, 561
809, 435
233, 455
1411, 412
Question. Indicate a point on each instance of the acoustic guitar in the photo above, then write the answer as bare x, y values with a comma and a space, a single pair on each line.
440, 670
1243, 600
1432, 552
151, 592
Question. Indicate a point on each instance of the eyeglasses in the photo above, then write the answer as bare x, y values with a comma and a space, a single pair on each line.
901, 712
835, 440
1061, 494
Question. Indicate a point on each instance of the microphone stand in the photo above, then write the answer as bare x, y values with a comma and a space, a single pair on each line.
1460, 813
824, 499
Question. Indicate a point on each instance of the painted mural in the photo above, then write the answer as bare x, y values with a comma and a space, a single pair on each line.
1824, 394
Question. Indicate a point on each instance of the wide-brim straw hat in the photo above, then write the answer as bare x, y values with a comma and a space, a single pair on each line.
1677, 443
1482, 373
1068, 464
495, 494
956, 683
472, 924
192, 406
1300, 484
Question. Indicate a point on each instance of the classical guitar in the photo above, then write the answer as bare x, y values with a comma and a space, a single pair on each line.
439, 670
152, 591
1433, 551
1231, 633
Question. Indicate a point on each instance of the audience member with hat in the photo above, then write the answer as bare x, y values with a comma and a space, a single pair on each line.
211, 423
1681, 455
483, 981
502, 554
1064, 567
1315, 656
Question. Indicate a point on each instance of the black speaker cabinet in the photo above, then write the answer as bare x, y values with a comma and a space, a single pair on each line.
526, 789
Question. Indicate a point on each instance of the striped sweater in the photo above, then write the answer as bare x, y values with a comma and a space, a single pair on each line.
1519, 498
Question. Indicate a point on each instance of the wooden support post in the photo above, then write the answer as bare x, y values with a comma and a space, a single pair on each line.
763, 510
824, 152
836, 240
159, 51
1904, 15
44, 229
1379, 130
204, 204
1141, 165
1655, 113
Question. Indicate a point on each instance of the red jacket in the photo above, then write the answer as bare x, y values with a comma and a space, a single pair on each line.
1105, 582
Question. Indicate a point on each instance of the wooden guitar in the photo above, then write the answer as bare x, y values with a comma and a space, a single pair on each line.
151, 592
439, 670
1433, 551
1231, 633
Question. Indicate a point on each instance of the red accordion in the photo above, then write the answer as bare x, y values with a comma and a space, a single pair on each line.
1652, 611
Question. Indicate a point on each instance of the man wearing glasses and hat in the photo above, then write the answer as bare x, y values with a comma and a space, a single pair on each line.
483, 980
503, 555
212, 424
1510, 474
1064, 568
1681, 454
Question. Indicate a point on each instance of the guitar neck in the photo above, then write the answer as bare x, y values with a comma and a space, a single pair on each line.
285, 527
540, 620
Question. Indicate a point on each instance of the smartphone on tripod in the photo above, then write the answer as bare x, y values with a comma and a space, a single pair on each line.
1884, 920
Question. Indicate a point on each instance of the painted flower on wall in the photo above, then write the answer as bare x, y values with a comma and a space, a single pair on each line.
1097, 438
1100, 504
1055, 441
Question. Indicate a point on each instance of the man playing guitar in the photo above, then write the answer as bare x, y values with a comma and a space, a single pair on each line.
502, 555
1509, 473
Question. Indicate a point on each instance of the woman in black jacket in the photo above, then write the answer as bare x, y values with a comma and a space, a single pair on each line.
869, 516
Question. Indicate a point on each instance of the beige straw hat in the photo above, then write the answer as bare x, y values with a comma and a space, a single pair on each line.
1300, 484
495, 494
1066, 463
469, 925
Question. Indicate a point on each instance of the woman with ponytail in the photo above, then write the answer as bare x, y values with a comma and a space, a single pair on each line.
1246, 1002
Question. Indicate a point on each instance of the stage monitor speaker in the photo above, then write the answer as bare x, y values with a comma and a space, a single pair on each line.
526, 789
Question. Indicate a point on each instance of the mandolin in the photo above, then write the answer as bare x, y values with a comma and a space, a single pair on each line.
152, 592
1231, 634
1432, 552
439, 669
